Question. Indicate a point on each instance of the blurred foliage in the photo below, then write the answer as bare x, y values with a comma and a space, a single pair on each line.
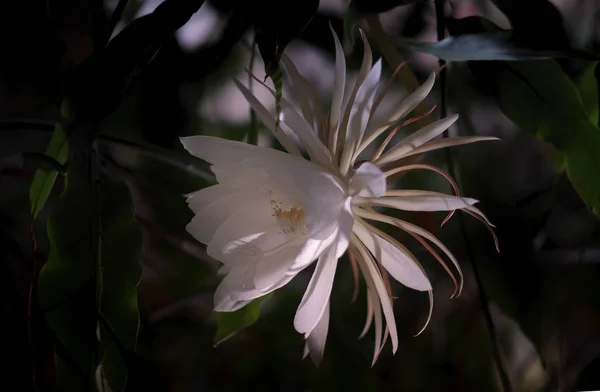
92, 320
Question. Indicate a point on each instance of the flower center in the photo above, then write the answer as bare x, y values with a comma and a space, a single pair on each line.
290, 219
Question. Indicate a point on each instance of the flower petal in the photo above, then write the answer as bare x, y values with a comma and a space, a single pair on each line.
375, 283
417, 139
368, 181
268, 120
420, 201
308, 137
405, 107
317, 293
449, 142
365, 67
360, 115
399, 264
211, 215
315, 341
339, 84
199, 199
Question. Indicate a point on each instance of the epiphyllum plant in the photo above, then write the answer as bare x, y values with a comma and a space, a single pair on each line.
274, 213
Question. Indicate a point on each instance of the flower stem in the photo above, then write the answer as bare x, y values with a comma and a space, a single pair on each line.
483, 298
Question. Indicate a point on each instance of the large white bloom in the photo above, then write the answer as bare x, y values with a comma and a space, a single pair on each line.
274, 213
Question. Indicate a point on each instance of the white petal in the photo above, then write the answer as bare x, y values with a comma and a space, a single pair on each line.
202, 197
360, 115
236, 279
369, 319
400, 265
268, 120
375, 282
317, 293
417, 139
364, 71
425, 201
368, 181
339, 83
345, 223
242, 231
218, 151
299, 88
316, 150
405, 107
315, 341
449, 142
210, 216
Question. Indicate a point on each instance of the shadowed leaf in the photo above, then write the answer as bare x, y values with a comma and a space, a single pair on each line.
230, 323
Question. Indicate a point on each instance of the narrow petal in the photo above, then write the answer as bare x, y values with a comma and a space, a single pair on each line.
405, 107
339, 83
375, 282
268, 120
364, 71
369, 319
416, 140
449, 142
400, 265
424, 201
368, 181
345, 223
315, 341
315, 148
299, 89
360, 115
409, 227
317, 293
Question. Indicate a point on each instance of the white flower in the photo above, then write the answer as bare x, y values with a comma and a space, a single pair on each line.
274, 213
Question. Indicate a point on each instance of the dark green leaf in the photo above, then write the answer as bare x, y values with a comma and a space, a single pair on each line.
541, 99
588, 89
230, 323
276, 24
43, 181
537, 24
66, 286
104, 77
121, 273
87, 275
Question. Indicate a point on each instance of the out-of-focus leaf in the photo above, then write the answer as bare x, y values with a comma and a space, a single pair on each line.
485, 46
276, 24
121, 273
103, 78
43, 181
536, 24
377, 6
230, 323
588, 89
87, 275
541, 99
66, 286
359, 9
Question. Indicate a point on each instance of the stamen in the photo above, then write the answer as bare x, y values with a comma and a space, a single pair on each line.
392, 133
